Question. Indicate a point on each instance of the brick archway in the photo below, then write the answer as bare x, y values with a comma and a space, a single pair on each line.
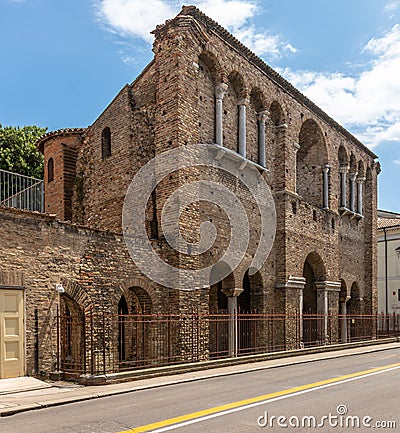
76, 293
146, 290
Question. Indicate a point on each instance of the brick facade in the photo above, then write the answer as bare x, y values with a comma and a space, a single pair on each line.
323, 180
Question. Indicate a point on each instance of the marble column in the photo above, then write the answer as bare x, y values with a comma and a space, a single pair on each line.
343, 170
242, 104
352, 177
323, 288
262, 117
360, 182
220, 91
232, 295
325, 186
343, 321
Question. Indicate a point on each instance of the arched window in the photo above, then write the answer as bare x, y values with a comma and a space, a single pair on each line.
312, 170
233, 109
106, 143
256, 118
50, 170
208, 71
343, 171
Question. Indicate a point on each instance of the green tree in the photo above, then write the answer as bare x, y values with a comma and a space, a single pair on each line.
18, 152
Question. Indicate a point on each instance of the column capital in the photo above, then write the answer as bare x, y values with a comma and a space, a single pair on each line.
231, 292
329, 286
244, 101
293, 283
220, 90
353, 175
360, 179
326, 168
344, 168
296, 145
262, 116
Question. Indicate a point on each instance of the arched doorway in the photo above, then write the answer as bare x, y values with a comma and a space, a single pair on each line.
313, 271
250, 308
134, 328
122, 317
72, 337
343, 329
355, 321
219, 319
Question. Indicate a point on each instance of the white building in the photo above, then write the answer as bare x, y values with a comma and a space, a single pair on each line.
388, 262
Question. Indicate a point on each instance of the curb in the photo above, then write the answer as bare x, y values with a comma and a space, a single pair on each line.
127, 376
90, 396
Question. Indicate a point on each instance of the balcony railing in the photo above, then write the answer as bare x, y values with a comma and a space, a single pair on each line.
21, 192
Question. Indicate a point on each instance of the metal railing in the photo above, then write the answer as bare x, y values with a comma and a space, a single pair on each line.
21, 192
93, 343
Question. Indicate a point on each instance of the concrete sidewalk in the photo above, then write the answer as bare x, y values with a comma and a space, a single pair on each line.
21, 384
23, 394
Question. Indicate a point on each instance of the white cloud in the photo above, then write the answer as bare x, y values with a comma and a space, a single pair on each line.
368, 103
228, 13
396, 161
136, 18
262, 43
392, 5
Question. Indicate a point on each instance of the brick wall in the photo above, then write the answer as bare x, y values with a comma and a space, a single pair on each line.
172, 104
94, 267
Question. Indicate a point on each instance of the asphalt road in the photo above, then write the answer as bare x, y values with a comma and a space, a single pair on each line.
327, 396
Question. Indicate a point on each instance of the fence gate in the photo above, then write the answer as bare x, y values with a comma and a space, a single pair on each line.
12, 356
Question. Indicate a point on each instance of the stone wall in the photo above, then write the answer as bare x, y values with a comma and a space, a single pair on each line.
323, 181
104, 181
94, 268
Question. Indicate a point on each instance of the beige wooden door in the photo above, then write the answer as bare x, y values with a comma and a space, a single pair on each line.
12, 356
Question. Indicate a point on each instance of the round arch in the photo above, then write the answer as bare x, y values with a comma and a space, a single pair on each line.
361, 169
222, 273
343, 157
313, 270
277, 114
77, 294
251, 299
139, 283
209, 76
343, 291
353, 163
311, 157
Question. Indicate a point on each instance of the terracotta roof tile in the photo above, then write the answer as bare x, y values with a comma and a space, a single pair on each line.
388, 222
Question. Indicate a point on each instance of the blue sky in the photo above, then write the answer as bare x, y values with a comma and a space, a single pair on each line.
64, 61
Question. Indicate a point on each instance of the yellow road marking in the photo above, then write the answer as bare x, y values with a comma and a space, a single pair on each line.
236, 404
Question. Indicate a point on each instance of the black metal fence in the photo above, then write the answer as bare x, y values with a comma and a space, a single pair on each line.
94, 343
